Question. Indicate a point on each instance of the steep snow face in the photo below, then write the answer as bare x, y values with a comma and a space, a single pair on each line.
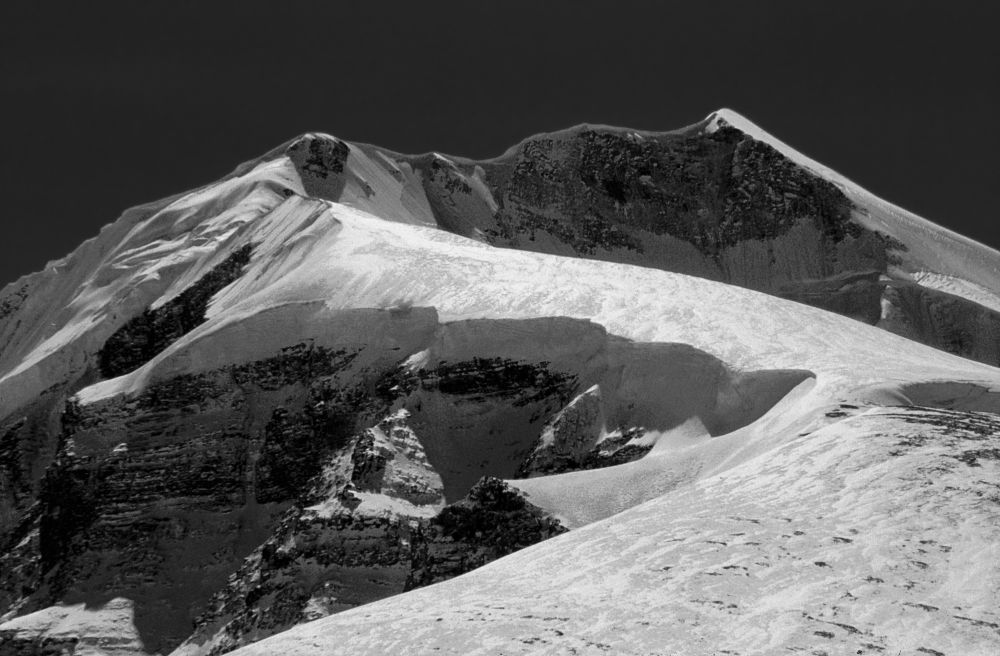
973, 267
875, 534
351, 259
52, 322
143, 260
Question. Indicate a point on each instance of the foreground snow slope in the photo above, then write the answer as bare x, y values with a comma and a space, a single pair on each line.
858, 538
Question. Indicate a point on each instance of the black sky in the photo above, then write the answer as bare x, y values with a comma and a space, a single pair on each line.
111, 104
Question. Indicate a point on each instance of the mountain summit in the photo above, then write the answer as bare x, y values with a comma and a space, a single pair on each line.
714, 395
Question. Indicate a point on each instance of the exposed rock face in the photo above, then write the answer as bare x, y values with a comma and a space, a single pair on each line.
372, 532
156, 497
320, 162
389, 459
713, 191
145, 336
568, 437
577, 438
345, 543
717, 204
493, 521
12, 302
944, 321
28, 441
480, 417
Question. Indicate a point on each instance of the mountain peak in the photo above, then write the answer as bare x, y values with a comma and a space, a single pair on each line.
730, 117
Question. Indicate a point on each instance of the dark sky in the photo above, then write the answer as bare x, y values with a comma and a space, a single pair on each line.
110, 104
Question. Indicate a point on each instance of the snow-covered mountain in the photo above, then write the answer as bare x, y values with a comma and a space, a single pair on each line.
739, 402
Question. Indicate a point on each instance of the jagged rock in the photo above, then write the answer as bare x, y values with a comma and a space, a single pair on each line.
568, 437
602, 192
351, 546
389, 459
492, 521
320, 160
369, 464
618, 447
12, 302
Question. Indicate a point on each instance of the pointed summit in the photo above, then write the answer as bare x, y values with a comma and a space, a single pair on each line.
728, 117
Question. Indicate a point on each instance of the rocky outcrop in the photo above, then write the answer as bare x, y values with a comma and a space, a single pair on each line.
319, 160
494, 520
158, 497
147, 335
568, 437
12, 302
28, 442
375, 527
346, 542
719, 204
941, 320
577, 438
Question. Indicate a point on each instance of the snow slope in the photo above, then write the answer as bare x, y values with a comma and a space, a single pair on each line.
347, 258
854, 539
